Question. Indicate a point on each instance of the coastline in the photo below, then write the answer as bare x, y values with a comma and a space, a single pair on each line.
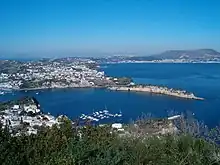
45, 88
148, 89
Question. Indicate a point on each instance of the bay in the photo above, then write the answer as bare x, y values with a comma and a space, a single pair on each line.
201, 79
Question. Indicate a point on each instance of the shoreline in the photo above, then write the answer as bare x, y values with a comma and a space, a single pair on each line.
148, 89
46, 88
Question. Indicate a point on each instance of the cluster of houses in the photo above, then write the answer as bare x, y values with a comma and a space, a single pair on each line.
25, 118
52, 75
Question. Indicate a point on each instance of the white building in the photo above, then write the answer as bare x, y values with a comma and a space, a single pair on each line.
117, 125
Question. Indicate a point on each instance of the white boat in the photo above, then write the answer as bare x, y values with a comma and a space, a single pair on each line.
105, 111
37, 93
118, 115
174, 117
2, 93
95, 119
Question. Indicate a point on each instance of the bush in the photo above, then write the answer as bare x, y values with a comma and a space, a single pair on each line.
97, 146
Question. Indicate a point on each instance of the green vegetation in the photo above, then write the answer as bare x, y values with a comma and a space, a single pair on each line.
31, 84
70, 145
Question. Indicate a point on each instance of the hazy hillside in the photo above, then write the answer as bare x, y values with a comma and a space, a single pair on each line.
189, 54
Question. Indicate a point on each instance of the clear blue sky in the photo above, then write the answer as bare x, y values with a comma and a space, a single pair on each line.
108, 26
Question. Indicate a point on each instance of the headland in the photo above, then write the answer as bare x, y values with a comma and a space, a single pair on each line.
157, 90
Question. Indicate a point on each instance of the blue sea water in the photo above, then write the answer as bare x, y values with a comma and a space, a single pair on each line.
201, 79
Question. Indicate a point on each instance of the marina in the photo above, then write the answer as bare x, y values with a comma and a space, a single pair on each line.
100, 115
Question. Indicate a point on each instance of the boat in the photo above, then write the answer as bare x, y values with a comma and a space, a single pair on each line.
174, 117
117, 115
95, 119
2, 93
37, 93
105, 111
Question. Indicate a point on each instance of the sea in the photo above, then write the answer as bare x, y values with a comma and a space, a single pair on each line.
201, 79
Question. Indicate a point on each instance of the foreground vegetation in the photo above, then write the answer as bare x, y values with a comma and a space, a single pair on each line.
98, 146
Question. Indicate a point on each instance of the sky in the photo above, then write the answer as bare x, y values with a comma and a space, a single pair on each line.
101, 27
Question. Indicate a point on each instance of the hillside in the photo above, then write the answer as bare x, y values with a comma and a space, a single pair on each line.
150, 141
98, 146
189, 54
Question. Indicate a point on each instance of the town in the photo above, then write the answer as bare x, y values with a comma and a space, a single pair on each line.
60, 73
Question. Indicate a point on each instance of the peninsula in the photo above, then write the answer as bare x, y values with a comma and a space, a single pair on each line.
157, 90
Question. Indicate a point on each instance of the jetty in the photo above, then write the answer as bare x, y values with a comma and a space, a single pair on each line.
157, 90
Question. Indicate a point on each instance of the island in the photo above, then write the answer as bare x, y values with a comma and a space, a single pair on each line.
157, 90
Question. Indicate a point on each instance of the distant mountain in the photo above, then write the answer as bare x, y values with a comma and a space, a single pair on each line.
189, 54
